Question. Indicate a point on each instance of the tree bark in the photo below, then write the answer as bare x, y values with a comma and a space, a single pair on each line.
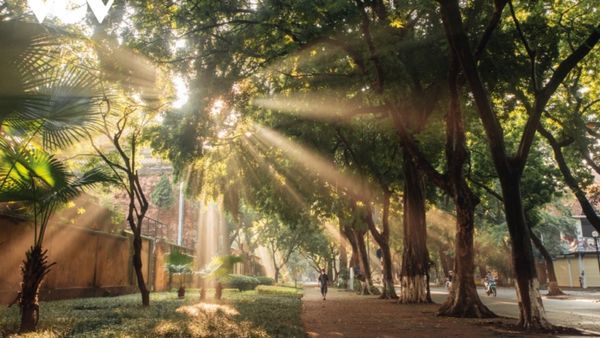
444, 262
330, 271
414, 276
35, 267
553, 289
532, 314
389, 292
363, 259
342, 248
463, 300
349, 234
137, 265
276, 275
382, 239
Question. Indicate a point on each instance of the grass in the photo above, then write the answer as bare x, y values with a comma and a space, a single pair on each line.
239, 314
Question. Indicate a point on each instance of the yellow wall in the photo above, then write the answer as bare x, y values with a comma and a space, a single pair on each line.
87, 261
590, 266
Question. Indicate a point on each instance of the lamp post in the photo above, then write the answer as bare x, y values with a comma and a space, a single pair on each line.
596, 235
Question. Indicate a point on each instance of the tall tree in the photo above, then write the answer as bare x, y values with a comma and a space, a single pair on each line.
510, 167
123, 131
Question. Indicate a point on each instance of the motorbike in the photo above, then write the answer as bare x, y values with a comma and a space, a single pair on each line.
491, 288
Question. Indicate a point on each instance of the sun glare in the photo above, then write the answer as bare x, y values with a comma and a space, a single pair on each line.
181, 91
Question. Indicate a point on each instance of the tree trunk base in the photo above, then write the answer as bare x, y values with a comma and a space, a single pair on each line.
388, 291
35, 267
466, 306
533, 318
414, 290
554, 290
388, 295
145, 298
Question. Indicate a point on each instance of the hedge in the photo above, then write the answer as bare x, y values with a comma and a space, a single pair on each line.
240, 282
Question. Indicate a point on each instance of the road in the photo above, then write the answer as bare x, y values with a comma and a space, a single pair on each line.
579, 310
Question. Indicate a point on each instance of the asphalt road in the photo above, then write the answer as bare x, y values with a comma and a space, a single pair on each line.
579, 310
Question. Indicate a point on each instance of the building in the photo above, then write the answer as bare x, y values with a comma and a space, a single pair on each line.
579, 265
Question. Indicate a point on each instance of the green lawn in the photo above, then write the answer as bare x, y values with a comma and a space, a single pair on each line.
240, 314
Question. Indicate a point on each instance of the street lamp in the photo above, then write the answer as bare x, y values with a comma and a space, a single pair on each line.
596, 235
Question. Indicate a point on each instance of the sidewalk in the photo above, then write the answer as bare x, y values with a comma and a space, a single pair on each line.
345, 314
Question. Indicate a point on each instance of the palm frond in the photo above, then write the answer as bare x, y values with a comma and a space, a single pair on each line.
42, 93
76, 185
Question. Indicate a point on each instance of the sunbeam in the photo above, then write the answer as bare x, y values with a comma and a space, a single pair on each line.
321, 166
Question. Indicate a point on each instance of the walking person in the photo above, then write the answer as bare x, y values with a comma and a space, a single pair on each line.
323, 281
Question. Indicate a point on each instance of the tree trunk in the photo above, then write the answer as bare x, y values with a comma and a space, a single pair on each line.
531, 308
137, 265
349, 234
463, 300
553, 289
363, 259
389, 292
414, 277
35, 267
276, 275
342, 248
382, 239
444, 262
336, 271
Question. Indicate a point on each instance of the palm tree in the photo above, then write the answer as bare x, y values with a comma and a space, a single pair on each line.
45, 92
41, 183
48, 100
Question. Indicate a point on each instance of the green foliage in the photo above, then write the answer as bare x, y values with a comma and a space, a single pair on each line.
220, 267
264, 280
240, 282
41, 183
178, 262
260, 315
162, 195
45, 92
279, 290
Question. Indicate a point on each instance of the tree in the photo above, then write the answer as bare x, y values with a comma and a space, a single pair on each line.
123, 132
281, 241
319, 252
510, 167
49, 102
178, 263
162, 195
42, 183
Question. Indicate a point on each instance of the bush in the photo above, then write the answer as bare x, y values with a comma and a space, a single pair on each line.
278, 290
264, 280
240, 282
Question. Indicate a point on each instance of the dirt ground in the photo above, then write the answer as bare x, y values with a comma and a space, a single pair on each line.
345, 314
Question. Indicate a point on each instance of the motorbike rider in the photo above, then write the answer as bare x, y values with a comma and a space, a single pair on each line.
489, 278
449, 279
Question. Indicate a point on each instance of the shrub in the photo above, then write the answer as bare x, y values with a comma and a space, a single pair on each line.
240, 282
264, 280
278, 290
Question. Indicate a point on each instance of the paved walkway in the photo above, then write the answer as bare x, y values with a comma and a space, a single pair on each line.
345, 314
580, 309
